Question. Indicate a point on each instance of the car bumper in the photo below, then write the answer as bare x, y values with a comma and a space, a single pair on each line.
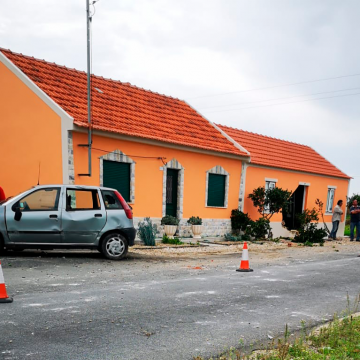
130, 234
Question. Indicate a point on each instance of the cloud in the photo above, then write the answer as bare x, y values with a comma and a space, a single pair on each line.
189, 49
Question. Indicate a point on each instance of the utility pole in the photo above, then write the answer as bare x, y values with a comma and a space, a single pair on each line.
88, 24
88, 28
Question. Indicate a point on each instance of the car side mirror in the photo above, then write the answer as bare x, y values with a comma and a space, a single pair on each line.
18, 214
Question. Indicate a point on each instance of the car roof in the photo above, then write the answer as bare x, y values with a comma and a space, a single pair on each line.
73, 186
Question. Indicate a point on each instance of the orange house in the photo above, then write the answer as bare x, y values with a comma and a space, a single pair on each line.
163, 156
291, 166
160, 153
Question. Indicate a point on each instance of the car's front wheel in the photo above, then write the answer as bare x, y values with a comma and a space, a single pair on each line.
114, 246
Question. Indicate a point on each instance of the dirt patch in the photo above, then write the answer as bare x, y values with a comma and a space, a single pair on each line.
262, 250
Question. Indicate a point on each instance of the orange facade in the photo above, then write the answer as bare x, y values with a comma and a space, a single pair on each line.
30, 135
37, 129
149, 175
316, 187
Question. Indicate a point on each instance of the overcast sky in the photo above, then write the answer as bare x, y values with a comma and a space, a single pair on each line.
216, 55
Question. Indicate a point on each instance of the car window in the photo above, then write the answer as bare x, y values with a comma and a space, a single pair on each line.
111, 201
40, 200
78, 199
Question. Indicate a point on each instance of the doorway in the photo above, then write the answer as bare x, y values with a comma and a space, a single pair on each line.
172, 176
296, 206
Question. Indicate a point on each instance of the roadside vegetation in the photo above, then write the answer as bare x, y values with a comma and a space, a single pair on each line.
339, 339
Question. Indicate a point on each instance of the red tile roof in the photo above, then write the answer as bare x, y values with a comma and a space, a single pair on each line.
123, 108
268, 151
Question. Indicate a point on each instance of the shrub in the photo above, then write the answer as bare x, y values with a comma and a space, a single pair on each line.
169, 220
239, 220
311, 235
309, 232
260, 228
229, 237
147, 231
195, 220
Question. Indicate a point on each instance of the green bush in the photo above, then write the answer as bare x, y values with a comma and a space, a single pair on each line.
239, 220
195, 220
169, 220
309, 233
174, 241
229, 237
147, 232
259, 228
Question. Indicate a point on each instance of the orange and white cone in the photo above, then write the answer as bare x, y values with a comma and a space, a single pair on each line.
3, 294
244, 264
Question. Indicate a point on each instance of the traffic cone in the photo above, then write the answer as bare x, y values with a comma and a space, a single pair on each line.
244, 264
3, 294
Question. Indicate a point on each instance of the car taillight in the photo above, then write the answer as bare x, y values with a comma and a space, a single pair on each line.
126, 207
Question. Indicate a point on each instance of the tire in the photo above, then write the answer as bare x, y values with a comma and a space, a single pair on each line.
114, 246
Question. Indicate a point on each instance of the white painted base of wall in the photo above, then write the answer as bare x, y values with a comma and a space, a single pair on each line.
211, 227
279, 231
220, 227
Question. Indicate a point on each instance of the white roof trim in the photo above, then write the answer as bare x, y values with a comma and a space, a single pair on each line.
32, 86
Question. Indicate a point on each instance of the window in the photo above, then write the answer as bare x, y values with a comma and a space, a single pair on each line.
116, 175
40, 200
82, 200
269, 185
330, 200
216, 190
111, 200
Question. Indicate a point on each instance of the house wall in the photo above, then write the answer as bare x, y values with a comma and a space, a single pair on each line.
290, 180
30, 135
148, 179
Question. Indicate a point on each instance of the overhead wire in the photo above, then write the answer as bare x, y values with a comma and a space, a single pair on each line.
276, 86
135, 156
281, 98
285, 103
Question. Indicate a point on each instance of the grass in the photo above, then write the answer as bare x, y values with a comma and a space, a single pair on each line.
347, 225
347, 230
174, 241
339, 339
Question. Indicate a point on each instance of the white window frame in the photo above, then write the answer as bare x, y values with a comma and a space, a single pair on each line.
330, 199
269, 184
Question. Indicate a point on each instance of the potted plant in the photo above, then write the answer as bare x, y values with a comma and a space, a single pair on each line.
196, 226
170, 225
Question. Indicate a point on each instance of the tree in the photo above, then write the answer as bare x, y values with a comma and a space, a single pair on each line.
352, 198
320, 205
271, 201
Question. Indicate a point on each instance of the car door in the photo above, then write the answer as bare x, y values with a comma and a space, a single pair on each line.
39, 217
83, 216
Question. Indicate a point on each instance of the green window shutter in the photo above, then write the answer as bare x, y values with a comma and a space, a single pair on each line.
116, 175
216, 190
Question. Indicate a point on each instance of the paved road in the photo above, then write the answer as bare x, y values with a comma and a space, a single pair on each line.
80, 306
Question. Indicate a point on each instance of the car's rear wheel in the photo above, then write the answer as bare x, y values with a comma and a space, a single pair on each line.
114, 246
